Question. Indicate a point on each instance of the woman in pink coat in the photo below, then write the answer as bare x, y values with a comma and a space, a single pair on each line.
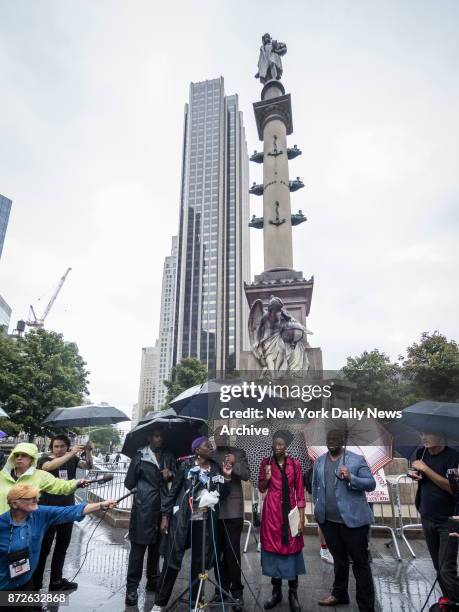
281, 478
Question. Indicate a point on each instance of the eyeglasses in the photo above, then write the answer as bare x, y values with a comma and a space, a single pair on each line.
32, 500
22, 456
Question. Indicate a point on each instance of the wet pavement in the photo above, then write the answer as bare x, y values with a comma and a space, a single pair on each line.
400, 586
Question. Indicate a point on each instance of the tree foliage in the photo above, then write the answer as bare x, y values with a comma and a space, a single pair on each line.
105, 438
186, 374
9, 426
432, 365
378, 381
430, 370
38, 373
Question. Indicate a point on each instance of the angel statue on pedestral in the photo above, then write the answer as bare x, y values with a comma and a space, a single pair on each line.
277, 339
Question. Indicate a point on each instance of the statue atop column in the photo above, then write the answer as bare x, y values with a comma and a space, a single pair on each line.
269, 62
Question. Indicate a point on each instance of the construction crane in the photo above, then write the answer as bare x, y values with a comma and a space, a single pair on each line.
39, 322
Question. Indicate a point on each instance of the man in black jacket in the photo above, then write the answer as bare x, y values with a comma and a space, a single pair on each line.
150, 471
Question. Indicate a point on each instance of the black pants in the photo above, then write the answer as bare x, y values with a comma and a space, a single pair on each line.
135, 564
229, 555
345, 542
277, 584
443, 551
63, 535
169, 574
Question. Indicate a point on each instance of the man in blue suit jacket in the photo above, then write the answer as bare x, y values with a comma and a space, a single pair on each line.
340, 479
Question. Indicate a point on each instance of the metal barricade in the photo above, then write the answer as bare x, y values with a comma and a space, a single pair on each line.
382, 511
113, 489
403, 493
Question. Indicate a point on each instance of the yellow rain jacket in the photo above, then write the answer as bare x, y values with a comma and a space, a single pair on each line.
44, 481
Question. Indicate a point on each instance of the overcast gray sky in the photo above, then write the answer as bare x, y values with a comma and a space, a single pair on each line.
91, 118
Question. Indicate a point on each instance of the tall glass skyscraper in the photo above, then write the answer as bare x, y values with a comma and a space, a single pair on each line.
166, 323
214, 250
5, 207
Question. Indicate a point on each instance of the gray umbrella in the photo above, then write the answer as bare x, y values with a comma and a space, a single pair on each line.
85, 416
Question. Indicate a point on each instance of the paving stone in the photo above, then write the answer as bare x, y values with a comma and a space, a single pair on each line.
400, 587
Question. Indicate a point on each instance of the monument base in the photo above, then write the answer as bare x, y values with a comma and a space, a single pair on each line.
289, 285
249, 366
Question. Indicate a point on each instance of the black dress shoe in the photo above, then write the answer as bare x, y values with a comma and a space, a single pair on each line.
293, 601
238, 605
275, 599
131, 597
63, 585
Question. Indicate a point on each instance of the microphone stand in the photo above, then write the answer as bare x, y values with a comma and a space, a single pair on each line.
203, 577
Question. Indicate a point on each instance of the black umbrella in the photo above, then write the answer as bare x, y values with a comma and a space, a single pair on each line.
205, 401
147, 417
85, 416
201, 401
433, 417
179, 432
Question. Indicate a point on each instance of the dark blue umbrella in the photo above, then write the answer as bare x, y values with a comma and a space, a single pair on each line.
440, 418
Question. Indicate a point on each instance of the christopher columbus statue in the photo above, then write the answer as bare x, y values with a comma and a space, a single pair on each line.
269, 62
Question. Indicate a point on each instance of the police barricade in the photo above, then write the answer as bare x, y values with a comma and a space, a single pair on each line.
403, 493
111, 489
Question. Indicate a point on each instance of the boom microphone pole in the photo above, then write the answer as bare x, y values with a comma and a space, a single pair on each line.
98, 480
131, 492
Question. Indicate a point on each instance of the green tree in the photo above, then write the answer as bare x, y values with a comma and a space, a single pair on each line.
38, 373
186, 374
432, 365
105, 438
379, 382
9, 427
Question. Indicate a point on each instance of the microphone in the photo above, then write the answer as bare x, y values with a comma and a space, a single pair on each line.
132, 492
184, 458
98, 480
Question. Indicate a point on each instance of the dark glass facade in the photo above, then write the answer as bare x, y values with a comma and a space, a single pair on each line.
5, 207
206, 296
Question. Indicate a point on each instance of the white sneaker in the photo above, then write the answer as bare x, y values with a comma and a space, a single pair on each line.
326, 555
156, 608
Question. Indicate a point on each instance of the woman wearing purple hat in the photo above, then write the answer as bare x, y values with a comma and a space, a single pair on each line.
183, 520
